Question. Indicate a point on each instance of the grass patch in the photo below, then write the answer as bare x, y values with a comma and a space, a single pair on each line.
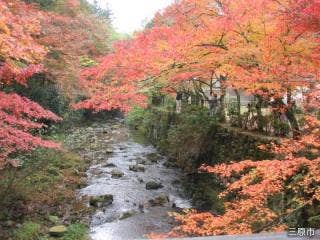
76, 231
28, 231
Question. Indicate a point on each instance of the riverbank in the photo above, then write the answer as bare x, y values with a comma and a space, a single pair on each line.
193, 138
42, 193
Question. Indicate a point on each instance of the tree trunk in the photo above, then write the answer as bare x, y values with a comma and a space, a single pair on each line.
238, 107
259, 113
222, 112
290, 114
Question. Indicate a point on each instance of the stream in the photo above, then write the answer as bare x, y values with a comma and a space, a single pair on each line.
121, 167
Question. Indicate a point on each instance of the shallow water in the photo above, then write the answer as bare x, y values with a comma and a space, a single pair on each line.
129, 192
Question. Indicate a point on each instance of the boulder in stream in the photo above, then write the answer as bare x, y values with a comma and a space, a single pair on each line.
109, 151
143, 161
122, 147
105, 131
153, 157
159, 201
96, 171
116, 173
153, 185
127, 214
101, 201
137, 168
109, 165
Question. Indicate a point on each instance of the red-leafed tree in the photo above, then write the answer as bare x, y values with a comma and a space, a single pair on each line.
248, 45
18, 118
266, 61
256, 195
263, 195
72, 33
20, 58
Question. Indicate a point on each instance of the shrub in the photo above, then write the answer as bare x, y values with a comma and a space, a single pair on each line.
135, 117
187, 137
76, 231
44, 92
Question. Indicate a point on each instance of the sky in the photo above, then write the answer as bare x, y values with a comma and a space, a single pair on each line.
131, 15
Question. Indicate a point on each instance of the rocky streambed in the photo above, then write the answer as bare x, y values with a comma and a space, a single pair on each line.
129, 184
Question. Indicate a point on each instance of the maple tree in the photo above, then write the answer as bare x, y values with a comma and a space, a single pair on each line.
20, 58
53, 42
19, 21
267, 48
251, 185
243, 45
270, 59
71, 32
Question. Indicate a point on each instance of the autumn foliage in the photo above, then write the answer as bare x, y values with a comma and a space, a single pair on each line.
70, 33
20, 54
255, 183
18, 117
256, 46
268, 49
20, 58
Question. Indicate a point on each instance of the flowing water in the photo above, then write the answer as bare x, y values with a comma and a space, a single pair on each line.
109, 147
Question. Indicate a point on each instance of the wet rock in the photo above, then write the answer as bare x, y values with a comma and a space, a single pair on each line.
82, 182
127, 214
53, 219
115, 133
105, 131
109, 151
122, 148
140, 180
101, 201
137, 168
109, 165
143, 161
159, 201
153, 157
116, 173
96, 171
57, 231
153, 185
